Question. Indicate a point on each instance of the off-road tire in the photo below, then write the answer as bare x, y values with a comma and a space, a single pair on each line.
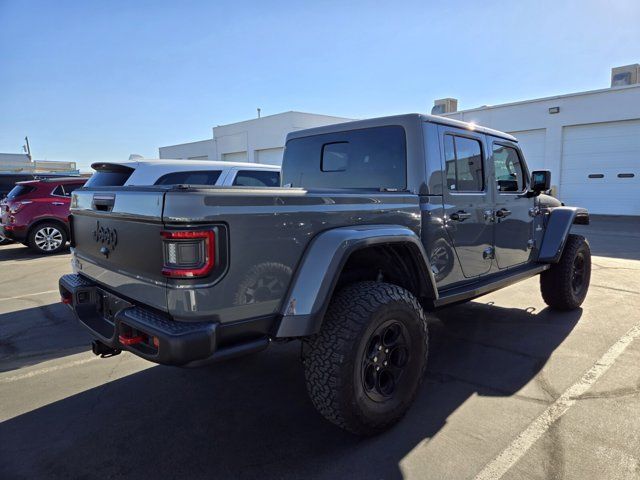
558, 283
334, 359
34, 241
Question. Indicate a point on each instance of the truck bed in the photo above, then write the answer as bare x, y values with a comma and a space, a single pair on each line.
263, 235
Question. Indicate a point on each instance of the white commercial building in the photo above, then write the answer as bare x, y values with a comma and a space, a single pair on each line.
259, 140
22, 163
589, 140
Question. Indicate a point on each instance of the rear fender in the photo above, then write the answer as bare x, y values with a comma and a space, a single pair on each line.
557, 230
316, 277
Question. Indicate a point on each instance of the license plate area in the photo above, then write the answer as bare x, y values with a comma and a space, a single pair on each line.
108, 305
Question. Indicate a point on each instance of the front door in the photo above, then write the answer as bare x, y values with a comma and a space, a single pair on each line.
513, 208
467, 199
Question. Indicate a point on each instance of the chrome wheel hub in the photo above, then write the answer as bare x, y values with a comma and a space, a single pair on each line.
48, 239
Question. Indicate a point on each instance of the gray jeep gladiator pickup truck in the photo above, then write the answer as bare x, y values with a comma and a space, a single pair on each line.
379, 223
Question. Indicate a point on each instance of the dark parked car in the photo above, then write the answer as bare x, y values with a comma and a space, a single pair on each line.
380, 223
36, 213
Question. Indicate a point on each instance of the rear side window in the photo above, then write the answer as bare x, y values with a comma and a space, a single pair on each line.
109, 178
464, 168
20, 190
508, 169
65, 189
200, 177
257, 178
371, 158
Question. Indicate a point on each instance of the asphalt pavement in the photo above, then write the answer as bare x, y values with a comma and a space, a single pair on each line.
514, 390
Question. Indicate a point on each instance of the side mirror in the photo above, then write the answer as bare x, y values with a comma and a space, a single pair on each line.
540, 181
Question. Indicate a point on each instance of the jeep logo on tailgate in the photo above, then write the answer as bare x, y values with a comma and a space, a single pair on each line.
107, 236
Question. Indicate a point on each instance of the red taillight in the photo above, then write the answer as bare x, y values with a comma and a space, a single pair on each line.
66, 298
15, 207
188, 253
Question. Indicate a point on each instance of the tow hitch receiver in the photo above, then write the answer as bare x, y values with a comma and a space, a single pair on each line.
100, 349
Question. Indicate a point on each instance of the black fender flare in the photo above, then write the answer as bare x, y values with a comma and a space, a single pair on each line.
315, 278
557, 230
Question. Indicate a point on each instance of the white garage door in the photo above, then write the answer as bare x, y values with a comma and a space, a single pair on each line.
601, 167
235, 157
532, 145
270, 156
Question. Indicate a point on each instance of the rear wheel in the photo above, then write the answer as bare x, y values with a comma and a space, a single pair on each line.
47, 238
564, 286
364, 368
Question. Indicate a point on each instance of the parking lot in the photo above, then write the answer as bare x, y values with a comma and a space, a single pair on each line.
513, 389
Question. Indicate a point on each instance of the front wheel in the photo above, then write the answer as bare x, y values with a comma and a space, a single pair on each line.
564, 286
364, 368
47, 238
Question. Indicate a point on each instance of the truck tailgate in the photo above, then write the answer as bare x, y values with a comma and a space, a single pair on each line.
117, 241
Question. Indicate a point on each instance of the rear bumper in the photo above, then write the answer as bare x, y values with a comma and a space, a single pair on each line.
145, 332
14, 232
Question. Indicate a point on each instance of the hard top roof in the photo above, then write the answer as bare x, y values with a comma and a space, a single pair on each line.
394, 119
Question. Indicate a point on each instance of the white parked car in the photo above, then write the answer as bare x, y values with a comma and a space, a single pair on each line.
176, 172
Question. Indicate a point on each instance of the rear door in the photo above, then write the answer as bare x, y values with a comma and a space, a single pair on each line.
513, 209
60, 199
117, 241
467, 199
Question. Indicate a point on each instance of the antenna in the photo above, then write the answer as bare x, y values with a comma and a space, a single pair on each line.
27, 148
259, 110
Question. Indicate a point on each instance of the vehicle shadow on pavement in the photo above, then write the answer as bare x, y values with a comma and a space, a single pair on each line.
17, 252
250, 418
37, 334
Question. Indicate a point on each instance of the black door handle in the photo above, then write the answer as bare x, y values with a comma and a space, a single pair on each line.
460, 216
503, 212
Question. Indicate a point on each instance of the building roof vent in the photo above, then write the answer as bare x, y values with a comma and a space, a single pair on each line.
627, 75
444, 105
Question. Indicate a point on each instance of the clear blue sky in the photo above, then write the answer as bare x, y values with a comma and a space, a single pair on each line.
90, 81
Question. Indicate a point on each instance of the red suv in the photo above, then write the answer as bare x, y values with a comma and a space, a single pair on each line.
36, 213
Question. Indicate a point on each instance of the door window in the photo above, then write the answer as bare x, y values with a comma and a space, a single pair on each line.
508, 169
464, 166
58, 191
65, 190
